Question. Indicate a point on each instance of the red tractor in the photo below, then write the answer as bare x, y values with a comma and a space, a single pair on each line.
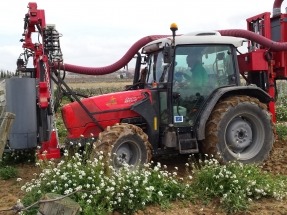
191, 93
165, 111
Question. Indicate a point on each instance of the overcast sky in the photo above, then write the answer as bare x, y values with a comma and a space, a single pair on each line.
98, 33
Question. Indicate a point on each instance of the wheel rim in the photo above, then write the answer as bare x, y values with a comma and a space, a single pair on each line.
126, 153
244, 136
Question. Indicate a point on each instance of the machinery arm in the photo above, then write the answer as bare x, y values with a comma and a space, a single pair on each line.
265, 62
42, 52
34, 21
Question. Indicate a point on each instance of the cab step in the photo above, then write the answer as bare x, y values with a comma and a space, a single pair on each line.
187, 144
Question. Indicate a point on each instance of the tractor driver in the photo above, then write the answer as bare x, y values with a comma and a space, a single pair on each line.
191, 85
199, 77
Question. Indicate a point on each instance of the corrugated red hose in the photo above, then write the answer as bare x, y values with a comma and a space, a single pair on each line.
117, 65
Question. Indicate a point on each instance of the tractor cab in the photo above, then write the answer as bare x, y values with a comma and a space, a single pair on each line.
182, 74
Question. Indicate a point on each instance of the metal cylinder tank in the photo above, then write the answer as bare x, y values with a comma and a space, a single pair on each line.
21, 100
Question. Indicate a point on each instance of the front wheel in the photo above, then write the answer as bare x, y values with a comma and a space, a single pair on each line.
123, 144
239, 128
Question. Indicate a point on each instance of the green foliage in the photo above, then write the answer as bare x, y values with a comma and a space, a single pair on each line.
97, 91
61, 129
19, 157
281, 108
282, 99
30, 198
281, 130
6, 74
91, 91
7, 172
236, 184
281, 113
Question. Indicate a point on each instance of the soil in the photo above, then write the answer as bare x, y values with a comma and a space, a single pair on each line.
277, 164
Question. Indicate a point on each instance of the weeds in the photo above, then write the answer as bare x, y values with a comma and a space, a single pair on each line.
281, 131
235, 184
281, 113
19, 157
7, 172
281, 108
126, 191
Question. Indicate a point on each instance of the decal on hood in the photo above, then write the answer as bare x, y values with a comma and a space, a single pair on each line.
130, 99
112, 101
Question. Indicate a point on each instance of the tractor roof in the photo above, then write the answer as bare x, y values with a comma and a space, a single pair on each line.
194, 38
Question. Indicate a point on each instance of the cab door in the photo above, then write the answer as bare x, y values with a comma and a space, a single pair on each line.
199, 71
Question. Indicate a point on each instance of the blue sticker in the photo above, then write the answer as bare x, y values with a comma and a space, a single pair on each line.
178, 119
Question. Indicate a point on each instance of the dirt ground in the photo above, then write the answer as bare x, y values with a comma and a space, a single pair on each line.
277, 163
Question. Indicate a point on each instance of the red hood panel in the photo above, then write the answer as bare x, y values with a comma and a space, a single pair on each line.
108, 109
118, 100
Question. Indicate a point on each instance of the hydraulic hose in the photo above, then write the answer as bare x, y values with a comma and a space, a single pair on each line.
267, 43
117, 65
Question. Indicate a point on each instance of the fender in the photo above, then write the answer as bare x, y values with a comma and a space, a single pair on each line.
221, 93
145, 108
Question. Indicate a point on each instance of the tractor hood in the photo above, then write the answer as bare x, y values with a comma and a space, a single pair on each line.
119, 100
107, 110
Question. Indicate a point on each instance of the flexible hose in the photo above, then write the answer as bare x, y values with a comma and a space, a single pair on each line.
277, 3
267, 43
277, 7
117, 65
272, 45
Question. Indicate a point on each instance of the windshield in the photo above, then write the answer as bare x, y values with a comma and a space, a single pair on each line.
198, 71
203, 66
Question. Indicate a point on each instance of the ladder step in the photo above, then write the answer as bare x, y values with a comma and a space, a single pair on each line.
187, 143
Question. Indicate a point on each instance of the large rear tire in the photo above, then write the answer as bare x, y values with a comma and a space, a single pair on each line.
239, 128
123, 144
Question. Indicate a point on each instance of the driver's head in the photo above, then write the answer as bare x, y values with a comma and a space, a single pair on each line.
193, 58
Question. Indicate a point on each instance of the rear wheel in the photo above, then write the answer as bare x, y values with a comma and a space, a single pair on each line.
123, 144
239, 128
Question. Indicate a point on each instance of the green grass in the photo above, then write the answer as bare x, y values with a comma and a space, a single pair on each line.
281, 116
281, 108
18, 157
281, 131
235, 184
7, 172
